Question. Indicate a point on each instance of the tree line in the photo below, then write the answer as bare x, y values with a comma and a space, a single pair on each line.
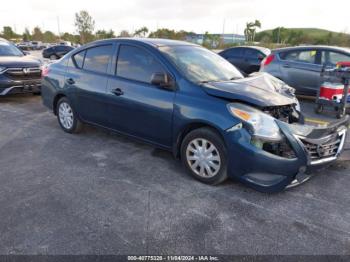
85, 32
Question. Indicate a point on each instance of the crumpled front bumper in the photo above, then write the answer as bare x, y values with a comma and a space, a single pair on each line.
314, 147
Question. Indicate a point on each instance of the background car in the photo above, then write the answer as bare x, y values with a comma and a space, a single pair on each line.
300, 67
25, 46
246, 58
37, 45
19, 73
56, 52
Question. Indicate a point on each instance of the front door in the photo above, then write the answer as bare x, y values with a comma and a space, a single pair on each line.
137, 107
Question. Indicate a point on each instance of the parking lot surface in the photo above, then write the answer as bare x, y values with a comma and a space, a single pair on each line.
102, 193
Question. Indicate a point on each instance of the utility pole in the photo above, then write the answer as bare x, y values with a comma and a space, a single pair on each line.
58, 27
223, 31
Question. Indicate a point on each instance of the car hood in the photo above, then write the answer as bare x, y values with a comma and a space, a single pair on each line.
19, 61
260, 89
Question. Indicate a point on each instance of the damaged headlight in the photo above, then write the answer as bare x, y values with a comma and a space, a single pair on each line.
261, 125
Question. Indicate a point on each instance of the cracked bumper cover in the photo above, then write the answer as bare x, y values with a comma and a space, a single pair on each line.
267, 172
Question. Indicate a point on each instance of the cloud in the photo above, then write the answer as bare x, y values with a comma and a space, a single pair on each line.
195, 15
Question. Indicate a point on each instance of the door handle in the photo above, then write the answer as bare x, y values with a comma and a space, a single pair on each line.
70, 81
286, 66
118, 92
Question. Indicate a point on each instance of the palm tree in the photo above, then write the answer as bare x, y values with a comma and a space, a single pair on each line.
256, 24
250, 30
141, 32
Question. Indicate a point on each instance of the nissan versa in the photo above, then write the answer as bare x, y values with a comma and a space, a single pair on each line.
187, 99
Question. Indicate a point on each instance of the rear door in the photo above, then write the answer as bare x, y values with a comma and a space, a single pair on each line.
61, 50
137, 107
251, 60
235, 57
301, 69
87, 75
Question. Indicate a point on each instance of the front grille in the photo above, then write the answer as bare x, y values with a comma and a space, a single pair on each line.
328, 149
27, 73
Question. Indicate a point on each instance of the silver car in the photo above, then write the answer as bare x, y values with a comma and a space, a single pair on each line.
300, 67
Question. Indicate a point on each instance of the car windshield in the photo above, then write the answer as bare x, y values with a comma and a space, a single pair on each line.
201, 65
7, 49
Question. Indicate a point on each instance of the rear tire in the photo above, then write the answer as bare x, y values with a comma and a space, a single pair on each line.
203, 154
67, 117
341, 112
318, 109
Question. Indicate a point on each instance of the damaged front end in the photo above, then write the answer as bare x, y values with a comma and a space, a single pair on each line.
322, 144
278, 150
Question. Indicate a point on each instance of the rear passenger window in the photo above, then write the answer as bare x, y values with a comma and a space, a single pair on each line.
251, 53
78, 59
97, 58
234, 52
332, 58
136, 64
304, 56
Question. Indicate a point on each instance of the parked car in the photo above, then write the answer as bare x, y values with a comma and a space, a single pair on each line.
56, 52
300, 67
19, 73
246, 58
37, 45
189, 100
65, 43
25, 46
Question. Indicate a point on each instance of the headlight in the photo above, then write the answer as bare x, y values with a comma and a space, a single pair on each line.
262, 126
2, 68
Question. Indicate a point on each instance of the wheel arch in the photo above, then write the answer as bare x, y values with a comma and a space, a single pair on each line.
55, 101
189, 128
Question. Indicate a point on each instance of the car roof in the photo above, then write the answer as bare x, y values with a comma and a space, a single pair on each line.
155, 42
334, 48
4, 40
259, 48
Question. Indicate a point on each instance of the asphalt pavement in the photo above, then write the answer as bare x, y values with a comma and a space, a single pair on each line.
101, 193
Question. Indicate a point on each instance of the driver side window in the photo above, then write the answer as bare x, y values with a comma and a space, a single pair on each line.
134, 63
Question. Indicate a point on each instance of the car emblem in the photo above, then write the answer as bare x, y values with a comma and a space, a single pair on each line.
321, 151
26, 71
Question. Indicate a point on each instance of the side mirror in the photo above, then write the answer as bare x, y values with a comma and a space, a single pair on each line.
163, 80
25, 52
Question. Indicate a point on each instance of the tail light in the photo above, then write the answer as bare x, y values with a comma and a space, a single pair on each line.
268, 60
45, 71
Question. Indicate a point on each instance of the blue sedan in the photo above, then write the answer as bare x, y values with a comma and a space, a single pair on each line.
184, 98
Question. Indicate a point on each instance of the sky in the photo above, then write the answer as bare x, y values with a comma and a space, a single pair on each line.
214, 16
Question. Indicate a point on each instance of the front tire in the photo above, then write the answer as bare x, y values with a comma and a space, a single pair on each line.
318, 109
341, 112
67, 118
203, 154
